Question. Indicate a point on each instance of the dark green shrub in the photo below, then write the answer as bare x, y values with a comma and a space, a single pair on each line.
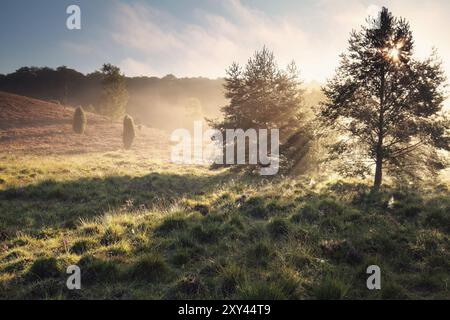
118, 250
95, 270
181, 257
274, 206
171, 224
230, 276
341, 250
300, 260
129, 132
112, 234
189, 286
392, 291
150, 267
439, 261
331, 207
15, 254
90, 230
4, 235
439, 219
256, 232
44, 268
46, 289
408, 210
286, 281
206, 233
330, 289
278, 228
186, 240
15, 266
309, 213
202, 209
255, 207
382, 243
261, 291
79, 121
259, 254
82, 246
435, 281
236, 221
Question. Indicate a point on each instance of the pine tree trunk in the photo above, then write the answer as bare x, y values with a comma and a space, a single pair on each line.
379, 147
378, 173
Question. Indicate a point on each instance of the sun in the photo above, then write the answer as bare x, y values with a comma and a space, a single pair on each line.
394, 54
394, 51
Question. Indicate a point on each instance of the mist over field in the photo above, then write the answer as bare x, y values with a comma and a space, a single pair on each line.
166, 103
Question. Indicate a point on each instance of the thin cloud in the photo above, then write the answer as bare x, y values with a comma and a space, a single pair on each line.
156, 41
136, 68
207, 48
78, 48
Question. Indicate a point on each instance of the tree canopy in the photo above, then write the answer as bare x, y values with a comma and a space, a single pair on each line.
263, 96
114, 95
387, 105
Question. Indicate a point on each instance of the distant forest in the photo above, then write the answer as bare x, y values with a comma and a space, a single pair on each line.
158, 102
164, 103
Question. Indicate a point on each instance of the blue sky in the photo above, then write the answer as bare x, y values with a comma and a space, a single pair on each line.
201, 37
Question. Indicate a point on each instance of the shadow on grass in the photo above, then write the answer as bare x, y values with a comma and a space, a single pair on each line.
63, 204
233, 251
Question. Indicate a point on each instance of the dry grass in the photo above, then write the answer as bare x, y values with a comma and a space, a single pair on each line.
35, 127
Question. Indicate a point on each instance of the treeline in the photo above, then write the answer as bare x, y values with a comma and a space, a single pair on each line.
62, 84
151, 99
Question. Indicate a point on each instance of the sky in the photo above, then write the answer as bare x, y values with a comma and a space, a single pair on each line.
192, 38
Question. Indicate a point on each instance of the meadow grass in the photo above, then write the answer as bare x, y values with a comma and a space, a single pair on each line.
140, 229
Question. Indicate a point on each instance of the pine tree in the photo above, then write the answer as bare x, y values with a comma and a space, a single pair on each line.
385, 104
79, 121
129, 132
114, 93
262, 96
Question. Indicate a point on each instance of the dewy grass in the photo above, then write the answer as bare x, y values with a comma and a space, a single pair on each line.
138, 228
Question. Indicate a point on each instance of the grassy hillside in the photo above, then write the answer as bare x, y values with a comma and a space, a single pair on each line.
36, 127
142, 228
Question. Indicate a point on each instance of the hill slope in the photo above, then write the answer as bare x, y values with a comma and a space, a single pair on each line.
141, 229
31, 126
